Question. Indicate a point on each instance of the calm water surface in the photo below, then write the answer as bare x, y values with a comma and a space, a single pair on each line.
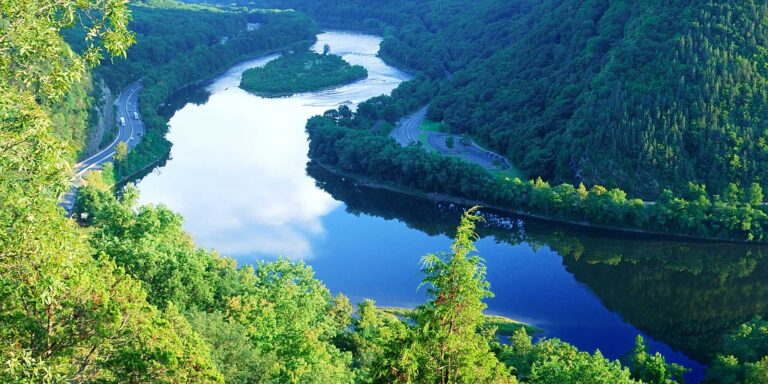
238, 174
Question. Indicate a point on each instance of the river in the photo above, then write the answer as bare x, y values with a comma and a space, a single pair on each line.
238, 173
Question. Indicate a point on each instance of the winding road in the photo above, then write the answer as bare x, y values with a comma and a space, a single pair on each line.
468, 151
130, 133
406, 132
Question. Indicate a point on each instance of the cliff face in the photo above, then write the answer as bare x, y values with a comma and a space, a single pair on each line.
102, 120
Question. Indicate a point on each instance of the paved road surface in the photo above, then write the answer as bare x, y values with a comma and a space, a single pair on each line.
470, 152
130, 133
406, 130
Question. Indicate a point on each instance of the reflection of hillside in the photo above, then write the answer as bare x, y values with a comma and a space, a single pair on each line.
687, 295
418, 214
197, 94
684, 294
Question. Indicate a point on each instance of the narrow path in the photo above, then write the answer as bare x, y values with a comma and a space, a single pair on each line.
130, 133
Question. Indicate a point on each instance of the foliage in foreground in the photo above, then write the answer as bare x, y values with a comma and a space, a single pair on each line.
64, 314
744, 358
279, 323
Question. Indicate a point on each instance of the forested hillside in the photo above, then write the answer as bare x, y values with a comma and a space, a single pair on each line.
423, 36
194, 28
642, 95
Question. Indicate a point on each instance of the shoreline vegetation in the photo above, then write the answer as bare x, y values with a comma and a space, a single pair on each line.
505, 326
301, 72
444, 198
340, 139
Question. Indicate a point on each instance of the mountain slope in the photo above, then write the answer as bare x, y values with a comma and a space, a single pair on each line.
643, 95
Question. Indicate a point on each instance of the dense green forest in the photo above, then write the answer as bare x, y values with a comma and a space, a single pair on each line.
300, 72
645, 96
423, 36
73, 116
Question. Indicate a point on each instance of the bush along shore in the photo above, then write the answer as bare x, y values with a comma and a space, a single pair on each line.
301, 72
341, 142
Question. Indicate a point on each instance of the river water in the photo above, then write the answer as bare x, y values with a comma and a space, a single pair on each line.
238, 173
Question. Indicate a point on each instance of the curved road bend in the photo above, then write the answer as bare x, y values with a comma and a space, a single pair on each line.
130, 133
406, 132
466, 152
407, 129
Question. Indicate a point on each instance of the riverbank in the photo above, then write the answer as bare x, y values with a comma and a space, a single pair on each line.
444, 198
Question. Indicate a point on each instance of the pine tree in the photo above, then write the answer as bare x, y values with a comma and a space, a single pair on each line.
451, 345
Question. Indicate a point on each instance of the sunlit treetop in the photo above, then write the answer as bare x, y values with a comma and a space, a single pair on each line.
34, 56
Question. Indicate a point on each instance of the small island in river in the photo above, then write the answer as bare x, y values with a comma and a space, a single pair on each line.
300, 72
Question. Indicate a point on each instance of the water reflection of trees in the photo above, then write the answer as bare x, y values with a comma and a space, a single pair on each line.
197, 94
686, 294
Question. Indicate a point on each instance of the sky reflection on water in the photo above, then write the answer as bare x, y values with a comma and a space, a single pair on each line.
245, 153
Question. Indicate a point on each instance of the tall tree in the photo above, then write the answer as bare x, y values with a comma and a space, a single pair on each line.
451, 345
291, 318
121, 151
